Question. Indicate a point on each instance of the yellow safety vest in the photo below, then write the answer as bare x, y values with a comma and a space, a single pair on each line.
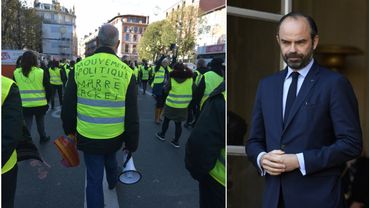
67, 70
136, 73
218, 172
198, 77
212, 80
159, 76
102, 81
180, 94
55, 76
144, 73
6, 84
31, 88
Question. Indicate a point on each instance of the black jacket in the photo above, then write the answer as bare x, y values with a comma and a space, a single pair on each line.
102, 146
199, 90
11, 123
208, 136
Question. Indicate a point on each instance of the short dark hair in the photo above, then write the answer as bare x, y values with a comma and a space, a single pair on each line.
295, 15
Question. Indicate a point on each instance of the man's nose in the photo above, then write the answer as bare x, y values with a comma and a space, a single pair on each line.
292, 48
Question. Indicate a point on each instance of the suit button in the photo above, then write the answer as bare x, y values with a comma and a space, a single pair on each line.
282, 147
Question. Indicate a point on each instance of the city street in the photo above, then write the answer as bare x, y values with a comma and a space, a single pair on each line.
165, 181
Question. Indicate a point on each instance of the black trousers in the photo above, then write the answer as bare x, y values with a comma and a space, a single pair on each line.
40, 122
178, 128
54, 89
211, 193
8, 187
144, 83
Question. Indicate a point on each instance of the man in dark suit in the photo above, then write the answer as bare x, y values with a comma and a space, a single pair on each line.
305, 124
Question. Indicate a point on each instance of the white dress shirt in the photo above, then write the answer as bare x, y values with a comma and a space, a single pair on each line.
288, 80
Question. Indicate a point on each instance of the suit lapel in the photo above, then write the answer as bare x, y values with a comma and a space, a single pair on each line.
306, 87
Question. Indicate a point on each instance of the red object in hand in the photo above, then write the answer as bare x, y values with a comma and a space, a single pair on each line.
67, 147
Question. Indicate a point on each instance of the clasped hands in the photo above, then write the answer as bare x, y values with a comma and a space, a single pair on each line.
276, 162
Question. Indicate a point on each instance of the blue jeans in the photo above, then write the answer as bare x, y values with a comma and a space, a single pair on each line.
94, 173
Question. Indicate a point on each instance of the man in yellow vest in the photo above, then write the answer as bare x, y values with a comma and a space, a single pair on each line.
56, 81
101, 108
145, 74
193, 112
210, 80
11, 133
205, 151
161, 75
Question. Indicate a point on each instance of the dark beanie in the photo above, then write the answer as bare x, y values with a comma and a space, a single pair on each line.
216, 65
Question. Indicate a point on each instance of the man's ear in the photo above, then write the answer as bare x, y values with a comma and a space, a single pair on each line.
315, 41
117, 45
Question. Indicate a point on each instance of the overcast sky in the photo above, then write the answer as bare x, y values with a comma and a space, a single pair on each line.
90, 14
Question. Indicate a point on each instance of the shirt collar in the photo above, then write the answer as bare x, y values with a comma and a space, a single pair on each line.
303, 72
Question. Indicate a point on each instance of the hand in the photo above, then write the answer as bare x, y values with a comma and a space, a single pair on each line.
357, 205
290, 161
272, 162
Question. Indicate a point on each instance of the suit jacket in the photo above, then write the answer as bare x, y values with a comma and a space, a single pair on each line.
323, 124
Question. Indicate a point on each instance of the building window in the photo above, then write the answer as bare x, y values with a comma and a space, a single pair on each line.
134, 49
135, 38
126, 48
47, 15
127, 37
125, 28
135, 29
68, 19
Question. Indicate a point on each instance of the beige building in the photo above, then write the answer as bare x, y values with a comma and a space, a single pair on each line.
59, 39
130, 28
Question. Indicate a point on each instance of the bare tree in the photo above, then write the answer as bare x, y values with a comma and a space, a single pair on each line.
21, 26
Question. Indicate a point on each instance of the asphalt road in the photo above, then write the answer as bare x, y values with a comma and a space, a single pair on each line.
165, 181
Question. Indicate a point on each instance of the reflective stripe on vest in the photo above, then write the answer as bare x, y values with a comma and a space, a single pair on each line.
218, 172
55, 76
180, 94
159, 76
144, 73
31, 88
102, 81
6, 84
211, 80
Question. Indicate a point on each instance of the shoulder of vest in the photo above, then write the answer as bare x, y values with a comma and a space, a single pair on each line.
37, 69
